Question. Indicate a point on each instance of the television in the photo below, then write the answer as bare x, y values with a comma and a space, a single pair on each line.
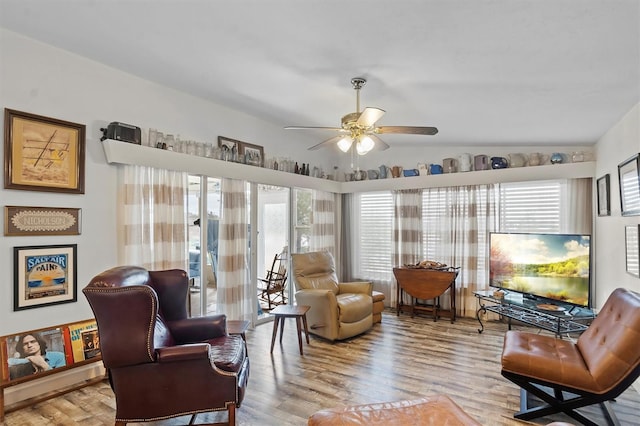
552, 267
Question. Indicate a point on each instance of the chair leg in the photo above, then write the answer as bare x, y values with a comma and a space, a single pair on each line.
232, 414
554, 405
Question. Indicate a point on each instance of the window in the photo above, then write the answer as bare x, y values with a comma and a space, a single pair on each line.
373, 220
531, 207
521, 207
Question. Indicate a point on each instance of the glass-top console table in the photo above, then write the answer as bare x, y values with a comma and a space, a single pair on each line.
552, 316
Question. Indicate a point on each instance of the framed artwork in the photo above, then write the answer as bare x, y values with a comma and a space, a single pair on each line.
34, 352
42, 153
252, 154
229, 148
604, 199
20, 220
629, 180
44, 275
632, 249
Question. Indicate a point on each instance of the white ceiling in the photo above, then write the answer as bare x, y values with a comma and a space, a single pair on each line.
486, 72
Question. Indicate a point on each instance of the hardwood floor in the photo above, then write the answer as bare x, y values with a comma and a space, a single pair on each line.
402, 358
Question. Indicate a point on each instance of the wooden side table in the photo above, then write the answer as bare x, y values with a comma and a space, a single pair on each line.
290, 311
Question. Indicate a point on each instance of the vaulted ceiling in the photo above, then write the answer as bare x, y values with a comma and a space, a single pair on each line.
485, 72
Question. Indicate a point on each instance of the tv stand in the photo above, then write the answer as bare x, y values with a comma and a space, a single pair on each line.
563, 319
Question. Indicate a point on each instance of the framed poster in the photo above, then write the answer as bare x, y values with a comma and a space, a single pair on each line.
629, 180
44, 275
604, 199
42, 153
252, 154
20, 220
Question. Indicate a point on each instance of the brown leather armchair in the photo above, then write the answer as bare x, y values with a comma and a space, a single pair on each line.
338, 310
597, 368
161, 363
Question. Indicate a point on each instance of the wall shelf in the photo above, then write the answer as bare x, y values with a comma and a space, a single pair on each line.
118, 152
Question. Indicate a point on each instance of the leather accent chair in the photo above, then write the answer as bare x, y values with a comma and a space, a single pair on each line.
162, 364
598, 367
338, 310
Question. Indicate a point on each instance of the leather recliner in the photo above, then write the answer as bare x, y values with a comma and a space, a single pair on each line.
338, 310
162, 364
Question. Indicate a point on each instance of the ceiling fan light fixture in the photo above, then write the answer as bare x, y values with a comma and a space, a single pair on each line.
345, 144
364, 145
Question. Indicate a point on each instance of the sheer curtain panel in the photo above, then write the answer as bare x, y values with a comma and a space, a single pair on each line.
234, 296
153, 216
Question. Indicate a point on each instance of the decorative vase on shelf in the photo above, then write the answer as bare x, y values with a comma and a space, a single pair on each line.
556, 158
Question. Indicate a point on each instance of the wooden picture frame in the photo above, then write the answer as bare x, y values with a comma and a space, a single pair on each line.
44, 275
22, 220
43, 153
629, 180
252, 154
230, 148
632, 249
604, 198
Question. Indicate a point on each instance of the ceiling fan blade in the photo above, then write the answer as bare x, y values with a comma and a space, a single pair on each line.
380, 144
409, 130
369, 116
338, 129
328, 142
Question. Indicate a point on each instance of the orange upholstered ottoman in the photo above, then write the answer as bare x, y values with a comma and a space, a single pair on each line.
434, 410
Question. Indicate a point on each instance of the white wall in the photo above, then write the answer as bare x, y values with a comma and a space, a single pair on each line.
43, 80
618, 144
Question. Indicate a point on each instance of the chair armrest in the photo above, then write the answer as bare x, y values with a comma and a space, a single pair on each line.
356, 287
183, 352
198, 329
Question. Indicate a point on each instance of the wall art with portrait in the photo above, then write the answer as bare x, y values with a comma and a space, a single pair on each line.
34, 352
44, 275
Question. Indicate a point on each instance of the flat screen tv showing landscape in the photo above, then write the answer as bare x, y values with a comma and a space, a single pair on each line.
556, 267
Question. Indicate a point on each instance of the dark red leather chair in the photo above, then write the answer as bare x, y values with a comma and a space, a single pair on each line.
161, 363
597, 368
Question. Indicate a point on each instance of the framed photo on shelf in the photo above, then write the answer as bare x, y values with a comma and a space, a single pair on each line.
252, 154
629, 179
22, 350
604, 199
42, 153
44, 275
632, 249
230, 148
21, 220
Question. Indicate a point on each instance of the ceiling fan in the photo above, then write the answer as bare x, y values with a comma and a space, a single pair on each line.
360, 127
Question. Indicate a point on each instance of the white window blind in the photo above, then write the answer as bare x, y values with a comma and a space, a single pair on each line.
530, 207
375, 223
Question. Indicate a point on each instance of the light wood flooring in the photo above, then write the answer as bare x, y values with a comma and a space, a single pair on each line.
402, 358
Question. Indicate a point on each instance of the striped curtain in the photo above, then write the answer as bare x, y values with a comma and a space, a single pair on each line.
461, 220
234, 296
323, 233
407, 231
153, 217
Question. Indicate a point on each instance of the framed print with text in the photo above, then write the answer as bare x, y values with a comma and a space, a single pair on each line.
629, 179
22, 220
42, 153
44, 275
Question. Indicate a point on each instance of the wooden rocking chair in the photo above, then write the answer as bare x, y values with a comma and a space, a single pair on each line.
272, 288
